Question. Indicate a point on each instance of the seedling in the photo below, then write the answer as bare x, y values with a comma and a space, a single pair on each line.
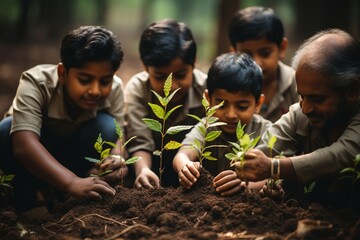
6, 179
352, 173
201, 148
163, 114
244, 143
270, 144
100, 147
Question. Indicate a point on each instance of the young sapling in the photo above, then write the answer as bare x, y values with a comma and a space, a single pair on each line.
239, 148
201, 148
163, 114
104, 149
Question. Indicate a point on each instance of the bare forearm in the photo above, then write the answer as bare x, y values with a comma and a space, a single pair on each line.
143, 162
39, 162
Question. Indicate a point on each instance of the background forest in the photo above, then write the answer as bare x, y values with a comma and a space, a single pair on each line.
31, 30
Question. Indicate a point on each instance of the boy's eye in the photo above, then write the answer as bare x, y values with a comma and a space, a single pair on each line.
83, 80
160, 78
105, 81
243, 107
265, 53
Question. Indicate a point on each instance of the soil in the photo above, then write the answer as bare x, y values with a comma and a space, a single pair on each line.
175, 213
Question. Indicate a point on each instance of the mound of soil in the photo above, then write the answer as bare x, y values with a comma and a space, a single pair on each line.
173, 213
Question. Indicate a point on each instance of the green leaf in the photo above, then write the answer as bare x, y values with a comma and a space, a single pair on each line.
132, 160
168, 85
348, 170
239, 130
153, 124
207, 155
197, 145
160, 98
271, 142
211, 136
171, 111
126, 143
217, 124
195, 117
212, 120
230, 156
105, 173
105, 153
176, 129
172, 145
94, 160
9, 177
118, 129
235, 145
168, 98
205, 102
158, 110
110, 144
201, 129
245, 140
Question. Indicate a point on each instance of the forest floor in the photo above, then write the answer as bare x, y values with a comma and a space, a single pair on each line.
175, 213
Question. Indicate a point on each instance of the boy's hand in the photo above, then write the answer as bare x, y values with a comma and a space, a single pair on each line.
89, 188
227, 183
189, 174
147, 179
115, 164
273, 190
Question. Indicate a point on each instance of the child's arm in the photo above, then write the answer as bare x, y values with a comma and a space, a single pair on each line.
144, 176
39, 162
185, 166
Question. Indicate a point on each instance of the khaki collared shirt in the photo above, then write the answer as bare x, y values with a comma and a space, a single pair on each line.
137, 96
311, 157
284, 97
39, 101
256, 127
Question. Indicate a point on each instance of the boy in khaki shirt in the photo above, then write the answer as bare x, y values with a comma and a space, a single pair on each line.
234, 79
166, 46
56, 116
258, 32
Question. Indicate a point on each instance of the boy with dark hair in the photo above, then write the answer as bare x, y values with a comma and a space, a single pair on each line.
56, 116
166, 46
320, 136
234, 79
258, 32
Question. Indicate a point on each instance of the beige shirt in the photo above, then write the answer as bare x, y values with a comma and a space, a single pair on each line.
137, 96
256, 127
284, 97
311, 157
39, 101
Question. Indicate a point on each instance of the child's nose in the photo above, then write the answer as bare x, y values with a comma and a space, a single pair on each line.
231, 113
94, 89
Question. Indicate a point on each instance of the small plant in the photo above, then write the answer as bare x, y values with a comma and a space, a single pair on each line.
208, 136
270, 144
100, 147
6, 179
163, 114
244, 143
352, 173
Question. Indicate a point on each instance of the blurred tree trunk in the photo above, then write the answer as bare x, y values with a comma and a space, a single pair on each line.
102, 11
21, 34
313, 16
226, 10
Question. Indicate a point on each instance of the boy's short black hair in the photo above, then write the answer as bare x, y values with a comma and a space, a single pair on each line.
255, 23
165, 40
90, 44
235, 72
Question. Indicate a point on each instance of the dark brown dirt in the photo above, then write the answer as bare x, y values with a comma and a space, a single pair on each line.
169, 213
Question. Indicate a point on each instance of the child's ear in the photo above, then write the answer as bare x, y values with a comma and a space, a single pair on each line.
283, 47
61, 71
259, 103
